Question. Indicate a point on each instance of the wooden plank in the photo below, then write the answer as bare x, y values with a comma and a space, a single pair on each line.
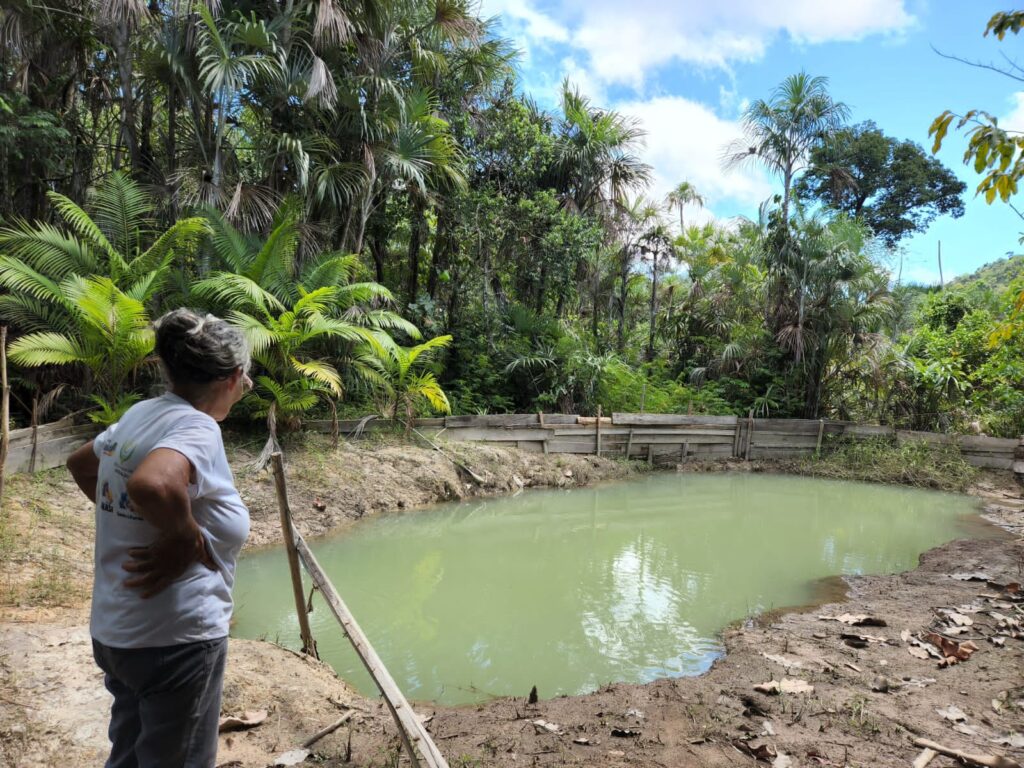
762, 440
677, 432
49, 454
494, 420
645, 437
560, 418
643, 419
531, 446
562, 445
992, 462
420, 423
868, 430
24, 436
53, 429
990, 444
496, 434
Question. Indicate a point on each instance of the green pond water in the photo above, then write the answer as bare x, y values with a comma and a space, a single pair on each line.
568, 590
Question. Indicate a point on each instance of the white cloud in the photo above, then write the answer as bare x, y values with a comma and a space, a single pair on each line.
684, 143
535, 24
1014, 120
621, 44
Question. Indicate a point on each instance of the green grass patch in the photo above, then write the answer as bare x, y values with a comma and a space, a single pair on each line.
916, 463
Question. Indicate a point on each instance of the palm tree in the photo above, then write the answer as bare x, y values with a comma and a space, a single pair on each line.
107, 331
301, 317
406, 385
779, 133
684, 194
113, 236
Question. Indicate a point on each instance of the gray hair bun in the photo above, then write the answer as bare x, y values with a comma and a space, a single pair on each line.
197, 348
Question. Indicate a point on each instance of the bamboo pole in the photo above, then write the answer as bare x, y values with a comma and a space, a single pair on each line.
597, 427
5, 412
308, 644
410, 728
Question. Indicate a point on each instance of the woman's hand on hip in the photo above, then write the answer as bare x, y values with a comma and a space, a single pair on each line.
165, 560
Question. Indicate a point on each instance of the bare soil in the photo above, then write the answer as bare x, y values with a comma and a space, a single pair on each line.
867, 703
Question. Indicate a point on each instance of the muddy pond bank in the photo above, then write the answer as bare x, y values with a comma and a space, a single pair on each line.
53, 708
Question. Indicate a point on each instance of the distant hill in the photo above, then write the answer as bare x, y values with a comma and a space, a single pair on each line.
996, 275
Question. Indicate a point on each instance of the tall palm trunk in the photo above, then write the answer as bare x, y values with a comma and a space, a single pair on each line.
128, 135
417, 226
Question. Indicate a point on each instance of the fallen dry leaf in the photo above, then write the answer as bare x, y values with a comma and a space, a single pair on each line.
292, 757
959, 619
976, 576
240, 723
543, 726
1012, 740
918, 652
951, 650
967, 730
782, 761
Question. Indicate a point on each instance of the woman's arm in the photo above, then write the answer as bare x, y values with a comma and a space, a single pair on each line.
158, 489
85, 469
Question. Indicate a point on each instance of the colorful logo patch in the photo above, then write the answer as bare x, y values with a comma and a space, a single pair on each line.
106, 498
126, 451
109, 447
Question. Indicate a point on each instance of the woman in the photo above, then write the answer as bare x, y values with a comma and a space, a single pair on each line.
169, 527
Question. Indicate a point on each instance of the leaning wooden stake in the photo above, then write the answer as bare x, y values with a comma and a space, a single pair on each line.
821, 432
750, 434
414, 735
597, 427
308, 644
5, 412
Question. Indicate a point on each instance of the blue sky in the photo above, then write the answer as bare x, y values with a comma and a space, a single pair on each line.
687, 68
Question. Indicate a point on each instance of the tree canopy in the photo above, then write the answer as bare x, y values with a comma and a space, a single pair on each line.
892, 186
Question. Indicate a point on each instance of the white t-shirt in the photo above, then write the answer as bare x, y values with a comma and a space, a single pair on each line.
198, 605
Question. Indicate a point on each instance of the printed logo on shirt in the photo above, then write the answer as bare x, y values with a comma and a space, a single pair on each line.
106, 498
125, 508
109, 447
127, 449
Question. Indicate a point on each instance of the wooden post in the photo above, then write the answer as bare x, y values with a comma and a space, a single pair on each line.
821, 432
544, 443
629, 443
598, 430
410, 728
685, 452
308, 644
736, 440
5, 412
650, 455
750, 433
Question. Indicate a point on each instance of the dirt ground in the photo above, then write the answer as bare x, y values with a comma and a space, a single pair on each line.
858, 700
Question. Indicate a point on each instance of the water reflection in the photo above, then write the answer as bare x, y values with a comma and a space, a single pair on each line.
570, 590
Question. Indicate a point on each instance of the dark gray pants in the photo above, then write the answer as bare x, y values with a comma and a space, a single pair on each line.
166, 703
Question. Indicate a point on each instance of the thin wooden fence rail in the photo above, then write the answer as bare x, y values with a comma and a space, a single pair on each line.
415, 739
661, 439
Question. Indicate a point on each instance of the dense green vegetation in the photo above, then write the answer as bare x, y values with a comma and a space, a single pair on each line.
363, 189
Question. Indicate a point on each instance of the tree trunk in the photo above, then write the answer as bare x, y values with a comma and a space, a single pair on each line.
129, 136
417, 225
620, 344
654, 307
442, 247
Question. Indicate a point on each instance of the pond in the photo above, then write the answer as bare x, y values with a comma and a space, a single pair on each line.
569, 590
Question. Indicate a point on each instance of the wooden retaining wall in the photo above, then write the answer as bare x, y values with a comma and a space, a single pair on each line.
661, 439
48, 445
672, 439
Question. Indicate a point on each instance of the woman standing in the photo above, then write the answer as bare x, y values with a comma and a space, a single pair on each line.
169, 527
